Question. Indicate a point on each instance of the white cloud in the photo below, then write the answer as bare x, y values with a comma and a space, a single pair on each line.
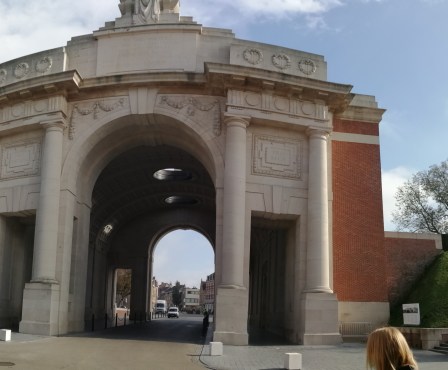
241, 15
28, 27
391, 180
314, 22
283, 7
31, 26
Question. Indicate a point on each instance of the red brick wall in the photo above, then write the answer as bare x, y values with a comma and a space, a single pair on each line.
406, 261
358, 228
354, 127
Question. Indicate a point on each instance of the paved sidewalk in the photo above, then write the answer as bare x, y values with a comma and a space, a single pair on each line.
36, 353
99, 351
347, 356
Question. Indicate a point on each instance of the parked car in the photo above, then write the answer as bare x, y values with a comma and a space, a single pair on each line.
173, 312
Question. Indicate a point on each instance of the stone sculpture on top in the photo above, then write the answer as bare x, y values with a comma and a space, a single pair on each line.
149, 11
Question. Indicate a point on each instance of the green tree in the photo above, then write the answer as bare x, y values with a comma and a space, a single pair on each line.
422, 202
124, 285
177, 294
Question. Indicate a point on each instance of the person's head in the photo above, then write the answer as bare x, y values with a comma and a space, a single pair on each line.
387, 349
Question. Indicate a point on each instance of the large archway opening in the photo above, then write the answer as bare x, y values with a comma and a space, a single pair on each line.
139, 196
183, 272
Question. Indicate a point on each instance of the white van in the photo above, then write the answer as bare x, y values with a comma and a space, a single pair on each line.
161, 306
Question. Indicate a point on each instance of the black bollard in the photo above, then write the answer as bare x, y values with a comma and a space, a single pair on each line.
93, 322
105, 321
116, 319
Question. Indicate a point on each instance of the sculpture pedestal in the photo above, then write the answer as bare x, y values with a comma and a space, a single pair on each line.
320, 319
40, 309
231, 318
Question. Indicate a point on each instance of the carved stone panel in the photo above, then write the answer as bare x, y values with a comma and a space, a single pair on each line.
32, 108
267, 102
277, 157
20, 159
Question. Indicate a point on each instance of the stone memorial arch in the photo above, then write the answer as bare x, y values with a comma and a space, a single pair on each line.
271, 161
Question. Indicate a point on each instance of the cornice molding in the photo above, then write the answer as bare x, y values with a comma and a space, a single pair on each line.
40, 87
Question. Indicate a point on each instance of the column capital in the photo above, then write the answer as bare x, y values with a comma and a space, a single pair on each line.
57, 123
236, 120
318, 131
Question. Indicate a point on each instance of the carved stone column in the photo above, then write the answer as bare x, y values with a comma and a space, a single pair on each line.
45, 241
319, 314
232, 296
318, 249
234, 201
40, 312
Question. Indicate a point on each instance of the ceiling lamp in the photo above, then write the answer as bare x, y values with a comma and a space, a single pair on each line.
173, 174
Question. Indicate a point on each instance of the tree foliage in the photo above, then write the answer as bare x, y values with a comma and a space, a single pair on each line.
124, 285
177, 294
422, 202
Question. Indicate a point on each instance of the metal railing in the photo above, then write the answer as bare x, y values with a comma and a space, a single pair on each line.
355, 329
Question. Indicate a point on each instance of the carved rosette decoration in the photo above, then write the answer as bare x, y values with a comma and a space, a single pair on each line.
192, 105
3, 74
21, 70
44, 65
307, 66
281, 61
94, 109
253, 56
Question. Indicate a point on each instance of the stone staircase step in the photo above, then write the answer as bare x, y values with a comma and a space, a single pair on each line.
438, 350
442, 348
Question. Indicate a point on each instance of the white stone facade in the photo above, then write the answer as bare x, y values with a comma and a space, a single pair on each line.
84, 127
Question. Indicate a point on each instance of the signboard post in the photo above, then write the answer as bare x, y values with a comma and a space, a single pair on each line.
411, 314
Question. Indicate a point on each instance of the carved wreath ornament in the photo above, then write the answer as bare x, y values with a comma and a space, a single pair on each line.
21, 70
44, 65
307, 66
281, 61
253, 56
3, 75
92, 108
193, 104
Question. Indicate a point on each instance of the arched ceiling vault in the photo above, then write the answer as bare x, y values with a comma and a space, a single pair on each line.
126, 189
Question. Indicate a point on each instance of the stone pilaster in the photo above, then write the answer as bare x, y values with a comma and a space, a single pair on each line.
234, 209
47, 218
318, 248
319, 304
232, 296
41, 296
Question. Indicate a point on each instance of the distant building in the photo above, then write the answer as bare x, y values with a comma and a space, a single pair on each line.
166, 292
209, 303
154, 296
202, 293
190, 300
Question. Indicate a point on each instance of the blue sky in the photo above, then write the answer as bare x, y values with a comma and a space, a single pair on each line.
395, 50
183, 255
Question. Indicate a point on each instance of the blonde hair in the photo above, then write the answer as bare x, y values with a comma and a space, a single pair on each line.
387, 349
